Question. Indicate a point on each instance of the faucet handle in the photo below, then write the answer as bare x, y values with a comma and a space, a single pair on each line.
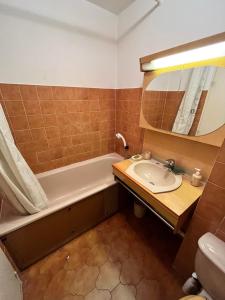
170, 162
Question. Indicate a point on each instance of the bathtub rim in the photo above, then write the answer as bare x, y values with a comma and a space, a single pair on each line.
23, 220
78, 164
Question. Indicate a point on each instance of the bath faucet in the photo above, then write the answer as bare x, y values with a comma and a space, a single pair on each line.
170, 164
120, 136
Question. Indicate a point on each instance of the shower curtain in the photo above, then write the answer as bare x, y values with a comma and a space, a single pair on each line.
16, 178
189, 104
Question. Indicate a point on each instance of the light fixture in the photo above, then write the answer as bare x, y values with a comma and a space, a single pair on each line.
196, 55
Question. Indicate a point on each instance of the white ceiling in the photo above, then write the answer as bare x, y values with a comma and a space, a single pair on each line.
114, 6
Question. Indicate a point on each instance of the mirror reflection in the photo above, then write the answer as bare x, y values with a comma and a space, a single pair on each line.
189, 102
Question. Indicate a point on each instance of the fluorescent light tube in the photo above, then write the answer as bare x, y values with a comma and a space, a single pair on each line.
190, 56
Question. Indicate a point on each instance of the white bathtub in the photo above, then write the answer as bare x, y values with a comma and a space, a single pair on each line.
67, 185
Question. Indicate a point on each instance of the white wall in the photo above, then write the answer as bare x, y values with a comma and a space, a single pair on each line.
174, 22
72, 42
55, 42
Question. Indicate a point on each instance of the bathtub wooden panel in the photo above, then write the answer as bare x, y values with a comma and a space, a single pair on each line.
30, 243
36, 240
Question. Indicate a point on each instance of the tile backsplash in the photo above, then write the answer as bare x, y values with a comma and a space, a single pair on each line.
55, 126
128, 106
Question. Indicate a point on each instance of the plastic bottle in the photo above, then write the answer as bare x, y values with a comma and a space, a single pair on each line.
196, 178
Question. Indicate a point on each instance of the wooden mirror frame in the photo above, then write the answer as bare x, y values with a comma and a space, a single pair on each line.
214, 138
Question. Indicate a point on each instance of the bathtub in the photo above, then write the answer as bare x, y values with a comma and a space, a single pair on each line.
67, 185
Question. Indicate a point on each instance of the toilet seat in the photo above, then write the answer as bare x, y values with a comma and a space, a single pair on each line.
193, 297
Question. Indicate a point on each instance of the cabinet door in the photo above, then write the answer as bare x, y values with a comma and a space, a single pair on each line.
10, 284
86, 213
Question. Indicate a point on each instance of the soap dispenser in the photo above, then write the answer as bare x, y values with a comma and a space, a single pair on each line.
196, 178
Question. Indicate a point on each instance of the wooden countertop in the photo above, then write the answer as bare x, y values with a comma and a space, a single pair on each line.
177, 201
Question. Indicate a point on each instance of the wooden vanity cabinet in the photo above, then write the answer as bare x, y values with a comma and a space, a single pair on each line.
175, 207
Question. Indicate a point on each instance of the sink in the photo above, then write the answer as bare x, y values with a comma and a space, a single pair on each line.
154, 176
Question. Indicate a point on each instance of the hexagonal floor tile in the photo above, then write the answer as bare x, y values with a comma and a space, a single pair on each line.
59, 286
98, 295
132, 271
98, 255
124, 292
109, 276
148, 289
84, 280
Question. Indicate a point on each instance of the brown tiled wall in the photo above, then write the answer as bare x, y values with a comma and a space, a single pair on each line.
161, 108
128, 105
56, 126
209, 216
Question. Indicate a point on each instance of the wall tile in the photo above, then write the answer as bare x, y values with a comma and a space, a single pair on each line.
14, 108
32, 107
35, 121
10, 91
218, 174
50, 120
38, 134
221, 156
77, 123
47, 107
212, 204
22, 136
28, 92
45, 92
19, 122
208, 216
52, 132
128, 104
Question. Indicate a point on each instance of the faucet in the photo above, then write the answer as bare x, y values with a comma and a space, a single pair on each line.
170, 164
120, 136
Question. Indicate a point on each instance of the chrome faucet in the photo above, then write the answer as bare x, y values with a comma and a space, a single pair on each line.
170, 164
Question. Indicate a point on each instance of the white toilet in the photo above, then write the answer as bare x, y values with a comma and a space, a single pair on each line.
210, 268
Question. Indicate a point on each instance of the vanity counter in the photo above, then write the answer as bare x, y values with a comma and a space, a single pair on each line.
175, 206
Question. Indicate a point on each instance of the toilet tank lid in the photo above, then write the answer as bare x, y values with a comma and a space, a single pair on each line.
214, 249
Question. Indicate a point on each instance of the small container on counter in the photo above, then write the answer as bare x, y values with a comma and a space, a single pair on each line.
147, 155
196, 177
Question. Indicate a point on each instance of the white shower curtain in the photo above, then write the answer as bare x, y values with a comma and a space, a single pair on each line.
16, 178
186, 113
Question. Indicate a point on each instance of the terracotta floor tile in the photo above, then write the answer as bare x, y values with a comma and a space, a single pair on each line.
84, 280
120, 250
121, 258
53, 262
77, 258
98, 295
72, 297
98, 255
34, 288
60, 285
109, 276
132, 271
124, 292
148, 289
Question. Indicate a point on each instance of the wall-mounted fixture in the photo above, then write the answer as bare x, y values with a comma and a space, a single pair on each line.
201, 50
119, 136
183, 91
203, 53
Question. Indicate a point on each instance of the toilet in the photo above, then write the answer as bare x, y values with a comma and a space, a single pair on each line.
209, 268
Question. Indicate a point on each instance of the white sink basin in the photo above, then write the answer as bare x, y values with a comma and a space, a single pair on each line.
154, 176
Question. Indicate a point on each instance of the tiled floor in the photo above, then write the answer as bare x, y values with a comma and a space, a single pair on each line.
123, 258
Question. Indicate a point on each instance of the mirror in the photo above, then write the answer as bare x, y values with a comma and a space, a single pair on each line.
189, 101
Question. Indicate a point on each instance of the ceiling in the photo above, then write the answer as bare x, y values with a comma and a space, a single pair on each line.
114, 6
